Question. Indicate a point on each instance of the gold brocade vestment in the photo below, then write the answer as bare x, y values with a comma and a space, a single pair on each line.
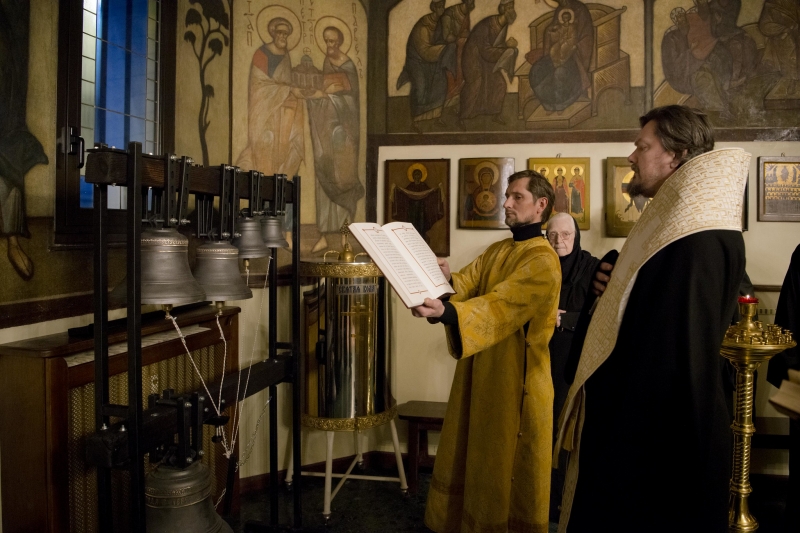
492, 470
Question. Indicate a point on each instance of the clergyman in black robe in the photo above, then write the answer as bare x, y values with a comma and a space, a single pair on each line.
665, 374
787, 316
577, 269
648, 423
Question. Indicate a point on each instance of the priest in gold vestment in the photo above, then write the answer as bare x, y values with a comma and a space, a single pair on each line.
492, 470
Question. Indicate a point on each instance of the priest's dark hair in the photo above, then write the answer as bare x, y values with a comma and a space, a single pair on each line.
683, 130
539, 187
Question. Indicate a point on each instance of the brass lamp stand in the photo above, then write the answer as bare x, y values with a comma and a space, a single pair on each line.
746, 345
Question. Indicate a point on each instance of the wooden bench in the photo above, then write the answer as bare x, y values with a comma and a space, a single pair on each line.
421, 417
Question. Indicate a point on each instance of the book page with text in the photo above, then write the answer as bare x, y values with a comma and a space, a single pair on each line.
422, 255
394, 265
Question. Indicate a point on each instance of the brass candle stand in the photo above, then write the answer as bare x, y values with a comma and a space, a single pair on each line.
746, 345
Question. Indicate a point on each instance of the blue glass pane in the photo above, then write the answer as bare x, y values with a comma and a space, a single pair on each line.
113, 22
110, 128
87, 194
112, 92
136, 130
138, 85
121, 89
138, 43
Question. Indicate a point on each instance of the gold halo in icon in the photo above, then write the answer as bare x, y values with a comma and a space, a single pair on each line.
491, 166
421, 168
339, 24
268, 14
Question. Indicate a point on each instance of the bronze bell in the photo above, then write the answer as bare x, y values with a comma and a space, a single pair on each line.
272, 232
250, 243
166, 276
217, 271
180, 500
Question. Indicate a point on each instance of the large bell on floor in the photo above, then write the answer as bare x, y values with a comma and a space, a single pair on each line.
250, 243
166, 276
180, 500
217, 271
272, 232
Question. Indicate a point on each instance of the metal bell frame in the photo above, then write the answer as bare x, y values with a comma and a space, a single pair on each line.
139, 429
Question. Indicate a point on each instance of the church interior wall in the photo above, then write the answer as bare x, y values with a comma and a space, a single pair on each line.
422, 368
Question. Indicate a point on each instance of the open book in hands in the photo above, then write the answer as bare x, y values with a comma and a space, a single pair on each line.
787, 399
405, 259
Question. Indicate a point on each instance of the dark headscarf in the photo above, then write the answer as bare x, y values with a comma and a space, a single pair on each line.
577, 268
569, 260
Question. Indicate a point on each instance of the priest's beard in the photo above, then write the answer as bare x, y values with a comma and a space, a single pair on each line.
638, 187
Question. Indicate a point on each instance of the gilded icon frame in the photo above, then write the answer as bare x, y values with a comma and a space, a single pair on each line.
427, 200
568, 193
480, 205
771, 184
618, 170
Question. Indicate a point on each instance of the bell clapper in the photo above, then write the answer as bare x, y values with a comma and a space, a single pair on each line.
167, 308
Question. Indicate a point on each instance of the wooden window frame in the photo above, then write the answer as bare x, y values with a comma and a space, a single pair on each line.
72, 224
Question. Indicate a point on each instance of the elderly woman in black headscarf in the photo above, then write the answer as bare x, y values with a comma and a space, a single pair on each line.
577, 268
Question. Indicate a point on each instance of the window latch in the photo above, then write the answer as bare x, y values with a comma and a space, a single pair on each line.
77, 146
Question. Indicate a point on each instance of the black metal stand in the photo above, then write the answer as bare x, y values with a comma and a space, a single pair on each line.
103, 408
291, 194
126, 442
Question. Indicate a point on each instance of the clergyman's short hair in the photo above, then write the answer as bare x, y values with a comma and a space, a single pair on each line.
681, 129
539, 188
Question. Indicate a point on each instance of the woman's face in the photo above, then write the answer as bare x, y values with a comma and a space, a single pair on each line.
561, 234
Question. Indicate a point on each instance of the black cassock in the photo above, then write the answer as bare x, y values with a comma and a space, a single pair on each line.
788, 316
656, 445
577, 270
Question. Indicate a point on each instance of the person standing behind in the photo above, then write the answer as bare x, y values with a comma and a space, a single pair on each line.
577, 269
493, 461
646, 418
787, 316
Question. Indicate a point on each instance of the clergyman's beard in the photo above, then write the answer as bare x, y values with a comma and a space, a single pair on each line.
516, 223
636, 186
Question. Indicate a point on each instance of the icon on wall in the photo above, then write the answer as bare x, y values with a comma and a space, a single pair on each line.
417, 191
569, 177
482, 184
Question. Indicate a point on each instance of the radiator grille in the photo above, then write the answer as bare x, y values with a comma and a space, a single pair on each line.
174, 373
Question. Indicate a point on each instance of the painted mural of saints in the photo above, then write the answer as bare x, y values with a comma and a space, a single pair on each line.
334, 119
275, 110
289, 103
20, 150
